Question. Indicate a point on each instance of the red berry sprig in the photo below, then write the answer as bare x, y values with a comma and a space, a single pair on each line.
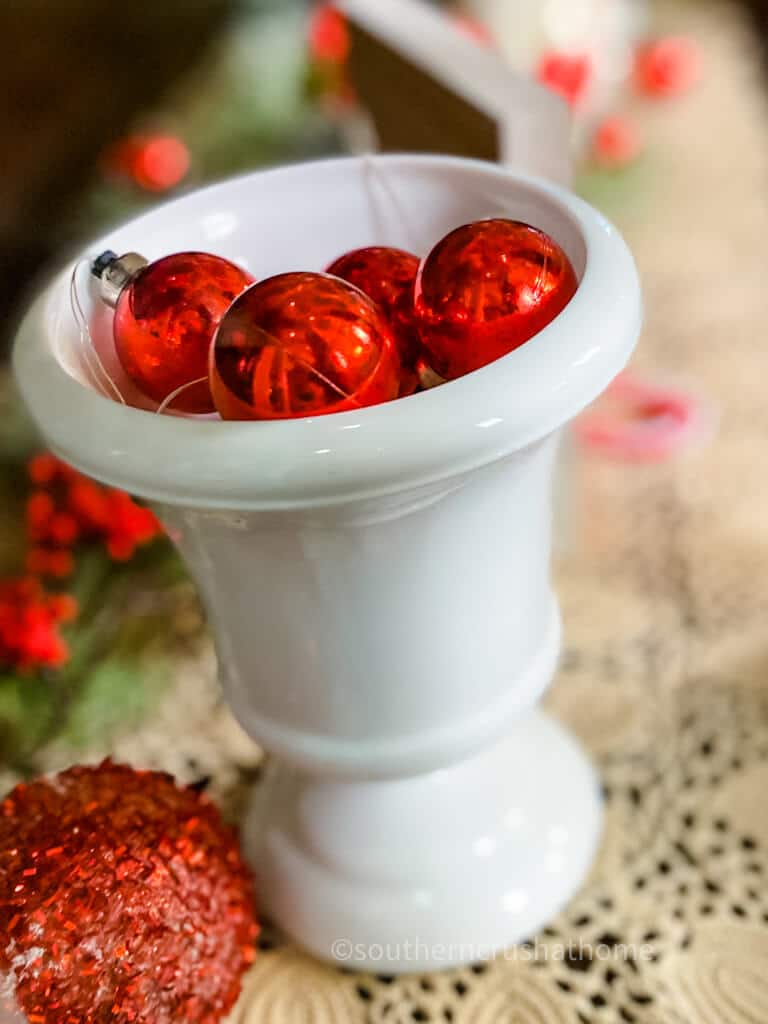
68, 507
65, 510
29, 625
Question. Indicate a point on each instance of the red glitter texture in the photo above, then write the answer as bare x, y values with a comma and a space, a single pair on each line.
165, 320
487, 288
302, 344
123, 898
388, 276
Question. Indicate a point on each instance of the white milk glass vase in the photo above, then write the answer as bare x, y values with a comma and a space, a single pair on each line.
377, 581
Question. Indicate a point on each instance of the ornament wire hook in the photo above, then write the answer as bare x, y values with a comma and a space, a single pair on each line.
91, 358
169, 399
372, 171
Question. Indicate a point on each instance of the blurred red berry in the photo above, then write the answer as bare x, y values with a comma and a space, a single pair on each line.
40, 511
87, 501
129, 525
567, 74
328, 34
474, 29
36, 561
29, 620
60, 563
69, 507
63, 529
617, 142
64, 606
667, 67
120, 549
43, 468
154, 162
160, 163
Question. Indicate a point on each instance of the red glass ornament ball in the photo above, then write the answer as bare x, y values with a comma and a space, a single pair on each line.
302, 344
165, 320
485, 289
388, 276
123, 898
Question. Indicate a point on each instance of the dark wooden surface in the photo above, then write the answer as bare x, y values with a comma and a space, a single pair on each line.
73, 76
759, 11
414, 112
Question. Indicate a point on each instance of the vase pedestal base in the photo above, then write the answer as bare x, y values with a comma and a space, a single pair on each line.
431, 871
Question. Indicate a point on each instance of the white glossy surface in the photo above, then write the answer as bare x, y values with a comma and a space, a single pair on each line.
377, 581
421, 874
533, 124
384, 637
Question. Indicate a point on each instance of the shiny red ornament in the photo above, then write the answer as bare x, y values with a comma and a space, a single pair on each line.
165, 320
123, 898
487, 288
667, 67
567, 74
388, 276
302, 344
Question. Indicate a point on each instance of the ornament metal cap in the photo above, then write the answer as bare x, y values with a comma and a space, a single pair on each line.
115, 272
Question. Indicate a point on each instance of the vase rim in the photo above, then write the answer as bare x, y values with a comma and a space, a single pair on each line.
369, 452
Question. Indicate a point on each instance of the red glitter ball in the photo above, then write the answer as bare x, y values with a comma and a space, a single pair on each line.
302, 344
165, 320
487, 288
123, 898
388, 276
